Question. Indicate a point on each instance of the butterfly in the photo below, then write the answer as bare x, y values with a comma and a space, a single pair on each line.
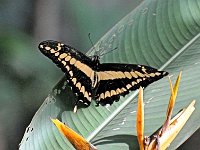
91, 80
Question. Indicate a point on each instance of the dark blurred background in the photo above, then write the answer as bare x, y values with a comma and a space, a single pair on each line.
26, 76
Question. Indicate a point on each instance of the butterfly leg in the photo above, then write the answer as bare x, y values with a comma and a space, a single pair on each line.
76, 104
82, 102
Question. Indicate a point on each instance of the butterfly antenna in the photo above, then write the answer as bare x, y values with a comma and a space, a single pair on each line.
109, 51
89, 36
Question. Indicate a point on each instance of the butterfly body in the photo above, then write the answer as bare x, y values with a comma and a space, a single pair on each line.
89, 79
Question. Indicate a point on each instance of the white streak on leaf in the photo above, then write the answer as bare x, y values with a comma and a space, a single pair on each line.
115, 129
132, 112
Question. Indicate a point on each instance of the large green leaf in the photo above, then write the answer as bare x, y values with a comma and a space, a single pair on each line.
160, 33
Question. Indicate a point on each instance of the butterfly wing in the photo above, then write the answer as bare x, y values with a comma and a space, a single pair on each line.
107, 83
76, 66
118, 79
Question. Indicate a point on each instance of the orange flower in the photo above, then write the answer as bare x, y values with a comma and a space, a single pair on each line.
162, 138
74, 138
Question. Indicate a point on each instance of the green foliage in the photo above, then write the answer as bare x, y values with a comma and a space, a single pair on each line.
19, 78
160, 33
22, 66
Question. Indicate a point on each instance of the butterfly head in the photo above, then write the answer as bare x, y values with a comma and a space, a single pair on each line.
95, 59
50, 47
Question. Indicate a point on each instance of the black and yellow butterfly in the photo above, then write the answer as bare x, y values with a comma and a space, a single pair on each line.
89, 79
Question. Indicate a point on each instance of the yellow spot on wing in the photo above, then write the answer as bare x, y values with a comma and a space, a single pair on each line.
134, 74
67, 67
59, 47
71, 73
118, 74
123, 90
85, 69
113, 93
128, 75
68, 58
52, 51
157, 73
90, 99
78, 85
72, 61
133, 83
121, 74
78, 65
144, 69
47, 48
152, 74
63, 55
139, 80
107, 94
86, 95
64, 63
139, 74
74, 80
110, 75
104, 76
82, 89
118, 91
57, 54
102, 95
128, 86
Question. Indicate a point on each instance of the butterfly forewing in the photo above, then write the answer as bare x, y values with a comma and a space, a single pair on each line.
119, 79
75, 65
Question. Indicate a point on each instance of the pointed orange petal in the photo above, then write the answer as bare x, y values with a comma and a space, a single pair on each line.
140, 119
176, 124
75, 139
173, 94
172, 100
169, 109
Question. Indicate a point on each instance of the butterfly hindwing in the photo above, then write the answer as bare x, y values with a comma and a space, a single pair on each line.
80, 85
118, 79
